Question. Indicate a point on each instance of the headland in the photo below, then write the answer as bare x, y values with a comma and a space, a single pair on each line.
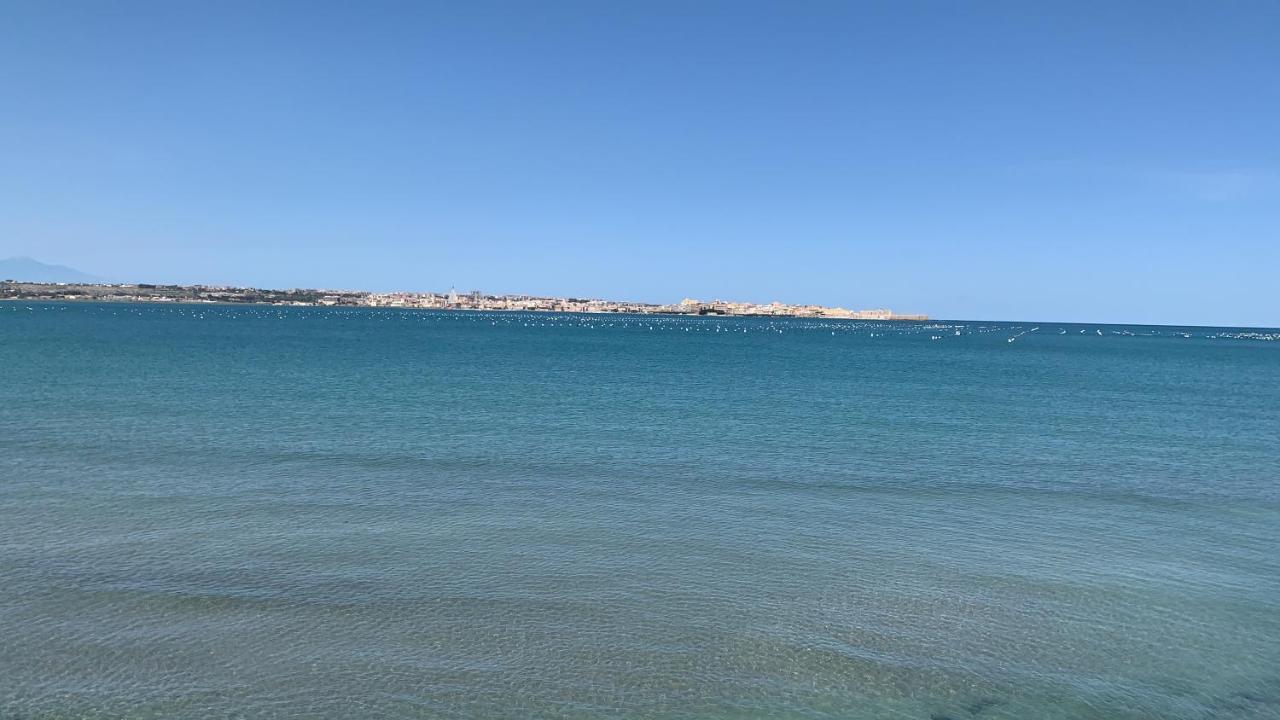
452, 300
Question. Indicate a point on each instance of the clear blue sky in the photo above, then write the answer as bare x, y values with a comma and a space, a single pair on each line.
1024, 160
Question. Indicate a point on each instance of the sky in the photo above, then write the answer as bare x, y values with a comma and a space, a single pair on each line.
1071, 161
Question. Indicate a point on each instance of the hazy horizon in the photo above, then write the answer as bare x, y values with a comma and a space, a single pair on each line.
989, 161
932, 318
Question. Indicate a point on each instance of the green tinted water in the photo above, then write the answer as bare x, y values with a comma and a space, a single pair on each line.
217, 512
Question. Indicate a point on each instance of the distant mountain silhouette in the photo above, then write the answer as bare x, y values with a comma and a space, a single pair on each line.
25, 268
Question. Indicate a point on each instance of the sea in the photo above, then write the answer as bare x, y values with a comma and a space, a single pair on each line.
214, 511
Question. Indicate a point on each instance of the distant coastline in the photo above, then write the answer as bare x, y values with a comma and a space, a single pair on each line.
452, 300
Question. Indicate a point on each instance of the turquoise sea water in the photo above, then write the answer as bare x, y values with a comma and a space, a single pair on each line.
256, 512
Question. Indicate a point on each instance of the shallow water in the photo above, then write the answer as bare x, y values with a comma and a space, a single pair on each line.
254, 512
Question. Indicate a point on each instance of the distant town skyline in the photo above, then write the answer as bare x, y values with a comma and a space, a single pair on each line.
988, 160
451, 300
60, 278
